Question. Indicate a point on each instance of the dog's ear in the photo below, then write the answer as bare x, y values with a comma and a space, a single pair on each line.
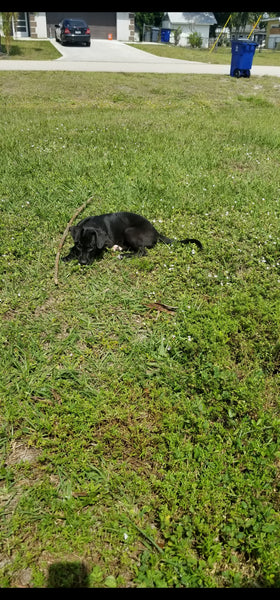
75, 232
101, 238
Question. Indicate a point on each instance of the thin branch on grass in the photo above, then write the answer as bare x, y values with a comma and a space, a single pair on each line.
162, 307
78, 211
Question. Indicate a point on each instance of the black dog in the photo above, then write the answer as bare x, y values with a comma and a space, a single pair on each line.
128, 230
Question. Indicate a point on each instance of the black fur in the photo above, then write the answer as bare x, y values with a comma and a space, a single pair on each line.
130, 231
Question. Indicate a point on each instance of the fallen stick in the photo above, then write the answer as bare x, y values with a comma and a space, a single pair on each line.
162, 307
65, 236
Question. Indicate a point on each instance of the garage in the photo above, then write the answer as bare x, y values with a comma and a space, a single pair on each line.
101, 24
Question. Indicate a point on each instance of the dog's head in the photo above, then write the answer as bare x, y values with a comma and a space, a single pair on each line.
89, 241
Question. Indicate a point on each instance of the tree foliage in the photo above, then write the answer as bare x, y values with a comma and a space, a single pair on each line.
238, 20
7, 18
153, 19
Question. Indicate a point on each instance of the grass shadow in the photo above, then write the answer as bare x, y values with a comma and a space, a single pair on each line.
68, 575
15, 51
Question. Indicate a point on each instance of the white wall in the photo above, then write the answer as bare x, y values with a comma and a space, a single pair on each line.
41, 21
272, 40
123, 26
186, 30
202, 29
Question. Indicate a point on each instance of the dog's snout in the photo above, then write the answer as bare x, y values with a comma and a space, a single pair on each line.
83, 261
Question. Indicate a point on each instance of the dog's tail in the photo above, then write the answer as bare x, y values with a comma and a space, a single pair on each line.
166, 240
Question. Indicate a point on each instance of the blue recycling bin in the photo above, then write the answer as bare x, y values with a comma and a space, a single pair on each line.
165, 35
242, 54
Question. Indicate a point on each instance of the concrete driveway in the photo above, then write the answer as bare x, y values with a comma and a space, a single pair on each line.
105, 51
116, 57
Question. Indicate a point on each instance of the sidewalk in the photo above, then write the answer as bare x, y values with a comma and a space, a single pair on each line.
183, 67
117, 57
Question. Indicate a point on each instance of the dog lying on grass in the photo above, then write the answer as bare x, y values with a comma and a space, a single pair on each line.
122, 229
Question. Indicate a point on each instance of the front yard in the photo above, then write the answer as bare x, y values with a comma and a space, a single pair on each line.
29, 50
140, 445
220, 55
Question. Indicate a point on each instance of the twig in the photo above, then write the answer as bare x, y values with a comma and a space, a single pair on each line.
162, 307
65, 236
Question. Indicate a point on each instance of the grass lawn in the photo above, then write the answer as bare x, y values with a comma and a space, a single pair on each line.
140, 447
30, 50
220, 55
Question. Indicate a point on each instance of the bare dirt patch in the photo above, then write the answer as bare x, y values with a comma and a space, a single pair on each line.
22, 453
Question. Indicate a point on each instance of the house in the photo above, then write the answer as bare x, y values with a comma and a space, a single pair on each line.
119, 25
228, 34
188, 23
272, 32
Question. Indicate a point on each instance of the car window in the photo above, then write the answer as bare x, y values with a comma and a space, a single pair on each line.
74, 22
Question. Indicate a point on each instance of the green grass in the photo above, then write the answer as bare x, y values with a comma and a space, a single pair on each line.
30, 50
140, 448
220, 55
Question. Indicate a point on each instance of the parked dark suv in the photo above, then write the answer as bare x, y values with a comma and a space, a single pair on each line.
70, 31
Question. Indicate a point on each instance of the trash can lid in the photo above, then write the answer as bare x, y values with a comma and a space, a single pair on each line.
244, 41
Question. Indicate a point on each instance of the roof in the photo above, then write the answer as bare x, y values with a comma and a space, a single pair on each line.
198, 18
271, 19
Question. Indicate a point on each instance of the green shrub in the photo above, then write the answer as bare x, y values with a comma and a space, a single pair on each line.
195, 40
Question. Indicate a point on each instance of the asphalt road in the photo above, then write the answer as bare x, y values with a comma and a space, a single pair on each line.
117, 57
